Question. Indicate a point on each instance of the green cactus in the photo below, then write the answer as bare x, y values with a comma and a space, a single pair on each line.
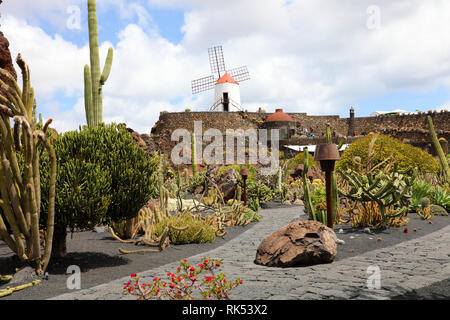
194, 155
334, 189
280, 183
20, 188
307, 192
93, 80
386, 189
445, 171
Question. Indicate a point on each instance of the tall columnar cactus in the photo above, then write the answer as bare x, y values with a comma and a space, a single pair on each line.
93, 80
280, 182
20, 180
194, 155
386, 189
334, 189
309, 207
437, 146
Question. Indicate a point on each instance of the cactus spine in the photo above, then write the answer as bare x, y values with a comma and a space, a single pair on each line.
93, 80
437, 146
20, 189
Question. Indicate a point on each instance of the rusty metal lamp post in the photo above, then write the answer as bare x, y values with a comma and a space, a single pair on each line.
327, 154
244, 173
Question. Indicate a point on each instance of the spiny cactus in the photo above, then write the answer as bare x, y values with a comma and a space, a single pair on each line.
280, 182
334, 188
93, 80
307, 192
445, 171
20, 187
194, 155
386, 189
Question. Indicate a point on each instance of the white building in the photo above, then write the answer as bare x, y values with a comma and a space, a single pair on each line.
227, 96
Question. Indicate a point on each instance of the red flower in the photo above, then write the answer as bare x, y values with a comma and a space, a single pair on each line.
201, 266
155, 279
172, 285
134, 275
241, 282
192, 269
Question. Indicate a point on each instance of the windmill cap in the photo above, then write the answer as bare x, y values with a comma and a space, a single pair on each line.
279, 115
226, 78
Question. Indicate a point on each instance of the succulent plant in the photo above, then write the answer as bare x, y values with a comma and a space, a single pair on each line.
20, 188
93, 80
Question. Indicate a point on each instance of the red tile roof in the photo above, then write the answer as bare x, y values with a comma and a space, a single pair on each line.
226, 78
279, 115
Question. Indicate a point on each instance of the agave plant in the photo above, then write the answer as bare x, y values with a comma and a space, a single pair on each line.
420, 190
441, 197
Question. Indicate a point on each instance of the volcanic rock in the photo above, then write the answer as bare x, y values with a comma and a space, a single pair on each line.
299, 243
6, 62
227, 184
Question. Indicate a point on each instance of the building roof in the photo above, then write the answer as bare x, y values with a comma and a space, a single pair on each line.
279, 115
226, 78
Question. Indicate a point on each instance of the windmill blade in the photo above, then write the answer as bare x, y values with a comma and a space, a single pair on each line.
216, 60
239, 74
203, 84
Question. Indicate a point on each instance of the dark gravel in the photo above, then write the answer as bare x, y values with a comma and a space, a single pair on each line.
364, 242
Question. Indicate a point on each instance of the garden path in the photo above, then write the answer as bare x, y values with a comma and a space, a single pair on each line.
403, 267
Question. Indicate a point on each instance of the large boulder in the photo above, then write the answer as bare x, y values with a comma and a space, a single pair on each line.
299, 243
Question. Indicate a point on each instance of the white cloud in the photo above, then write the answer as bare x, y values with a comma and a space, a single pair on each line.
317, 57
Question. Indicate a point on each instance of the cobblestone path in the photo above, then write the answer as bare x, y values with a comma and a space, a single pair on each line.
403, 267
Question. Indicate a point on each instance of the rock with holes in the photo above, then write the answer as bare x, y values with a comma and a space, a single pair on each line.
300, 243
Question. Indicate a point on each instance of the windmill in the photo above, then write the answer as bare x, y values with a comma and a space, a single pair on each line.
225, 82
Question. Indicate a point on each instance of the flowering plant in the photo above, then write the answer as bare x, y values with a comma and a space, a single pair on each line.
182, 284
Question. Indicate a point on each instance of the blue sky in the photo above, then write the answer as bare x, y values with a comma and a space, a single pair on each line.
319, 58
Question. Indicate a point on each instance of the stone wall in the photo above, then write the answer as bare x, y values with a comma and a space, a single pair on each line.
413, 128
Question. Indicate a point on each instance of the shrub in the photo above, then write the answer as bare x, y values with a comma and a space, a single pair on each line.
258, 190
406, 155
103, 177
198, 231
237, 168
298, 159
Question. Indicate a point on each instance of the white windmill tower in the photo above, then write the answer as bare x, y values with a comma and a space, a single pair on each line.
227, 96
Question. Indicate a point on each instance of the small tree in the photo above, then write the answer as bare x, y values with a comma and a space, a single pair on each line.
104, 177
